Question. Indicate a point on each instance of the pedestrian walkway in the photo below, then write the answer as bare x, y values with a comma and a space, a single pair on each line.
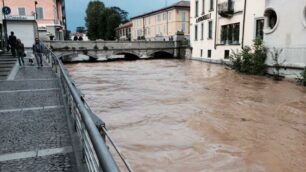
34, 132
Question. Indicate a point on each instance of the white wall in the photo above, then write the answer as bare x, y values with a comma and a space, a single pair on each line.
289, 33
23, 31
254, 10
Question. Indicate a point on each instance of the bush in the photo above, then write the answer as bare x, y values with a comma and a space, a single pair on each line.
251, 60
105, 48
302, 79
275, 53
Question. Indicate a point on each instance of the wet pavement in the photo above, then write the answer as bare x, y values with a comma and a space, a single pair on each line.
34, 135
175, 115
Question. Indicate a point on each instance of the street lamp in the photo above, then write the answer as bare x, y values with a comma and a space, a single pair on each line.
35, 9
5, 42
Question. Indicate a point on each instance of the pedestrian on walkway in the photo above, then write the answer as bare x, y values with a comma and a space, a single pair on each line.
12, 41
38, 49
20, 52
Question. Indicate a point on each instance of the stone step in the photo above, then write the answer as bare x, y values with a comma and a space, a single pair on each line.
35, 73
3, 78
29, 99
28, 84
30, 130
4, 73
7, 62
51, 163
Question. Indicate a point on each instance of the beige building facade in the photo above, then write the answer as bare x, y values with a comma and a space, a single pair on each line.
124, 31
44, 17
162, 24
219, 27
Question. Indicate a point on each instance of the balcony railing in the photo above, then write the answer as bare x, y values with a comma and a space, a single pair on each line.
226, 9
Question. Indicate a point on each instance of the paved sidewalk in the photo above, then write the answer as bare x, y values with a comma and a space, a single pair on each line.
34, 132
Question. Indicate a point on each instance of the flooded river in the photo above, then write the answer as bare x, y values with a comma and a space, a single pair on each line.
188, 116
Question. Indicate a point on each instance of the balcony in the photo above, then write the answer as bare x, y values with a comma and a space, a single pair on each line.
226, 8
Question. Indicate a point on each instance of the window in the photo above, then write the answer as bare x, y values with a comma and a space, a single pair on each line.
209, 53
259, 28
158, 17
21, 11
226, 54
203, 6
165, 16
197, 9
230, 34
271, 18
40, 13
183, 27
304, 17
201, 53
169, 16
183, 16
210, 30
202, 31
196, 32
211, 5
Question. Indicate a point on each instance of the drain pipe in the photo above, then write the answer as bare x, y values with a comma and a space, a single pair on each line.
216, 23
243, 29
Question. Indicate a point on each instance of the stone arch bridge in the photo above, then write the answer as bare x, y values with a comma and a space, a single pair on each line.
130, 50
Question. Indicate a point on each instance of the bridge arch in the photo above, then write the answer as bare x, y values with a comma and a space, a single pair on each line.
161, 55
129, 56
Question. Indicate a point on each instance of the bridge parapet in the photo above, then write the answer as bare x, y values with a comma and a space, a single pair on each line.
109, 45
106, 49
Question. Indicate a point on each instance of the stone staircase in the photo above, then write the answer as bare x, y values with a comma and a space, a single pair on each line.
34, 131
7, 63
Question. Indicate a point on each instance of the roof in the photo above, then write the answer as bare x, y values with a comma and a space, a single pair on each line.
180, 4
125, 25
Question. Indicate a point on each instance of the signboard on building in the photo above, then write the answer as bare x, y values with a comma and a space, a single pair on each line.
205, 17
20, 18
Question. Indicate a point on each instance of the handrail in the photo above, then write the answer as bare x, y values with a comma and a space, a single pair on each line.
105, 158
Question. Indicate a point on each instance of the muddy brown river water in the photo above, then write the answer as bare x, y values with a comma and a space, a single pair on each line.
188, 116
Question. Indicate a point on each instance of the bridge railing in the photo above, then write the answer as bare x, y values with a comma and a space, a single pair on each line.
90, 129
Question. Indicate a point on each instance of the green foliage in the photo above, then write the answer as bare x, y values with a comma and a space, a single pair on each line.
102, 21
105, 48
302, 78
275, 53
251, 60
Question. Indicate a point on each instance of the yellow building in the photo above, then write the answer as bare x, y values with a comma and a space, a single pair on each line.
162, 24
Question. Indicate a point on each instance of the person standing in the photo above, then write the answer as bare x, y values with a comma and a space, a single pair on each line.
12, 41
20, 52
38, 50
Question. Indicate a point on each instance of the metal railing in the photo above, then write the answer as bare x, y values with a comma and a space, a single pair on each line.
90, 129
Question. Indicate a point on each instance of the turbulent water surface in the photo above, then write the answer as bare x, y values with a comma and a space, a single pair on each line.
179, 116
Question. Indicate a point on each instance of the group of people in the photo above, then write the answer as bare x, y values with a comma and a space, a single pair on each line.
17, 48
77, 38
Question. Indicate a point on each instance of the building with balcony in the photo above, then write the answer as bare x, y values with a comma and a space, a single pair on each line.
162, 24
285, 30
123, 32
219, 27
30, 19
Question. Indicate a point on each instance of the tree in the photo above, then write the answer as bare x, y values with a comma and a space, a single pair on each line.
101, 21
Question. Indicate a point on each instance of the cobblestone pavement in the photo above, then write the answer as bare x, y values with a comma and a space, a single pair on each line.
57, 162
33, 120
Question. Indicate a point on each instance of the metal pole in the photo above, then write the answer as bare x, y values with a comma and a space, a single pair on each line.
4, 27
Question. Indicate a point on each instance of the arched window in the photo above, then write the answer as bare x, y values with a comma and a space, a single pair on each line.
271, 18
304, 16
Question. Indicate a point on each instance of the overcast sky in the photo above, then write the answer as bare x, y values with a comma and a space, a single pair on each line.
75, 9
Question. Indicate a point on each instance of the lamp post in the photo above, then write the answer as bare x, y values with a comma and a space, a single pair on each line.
35, 4
5, 27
